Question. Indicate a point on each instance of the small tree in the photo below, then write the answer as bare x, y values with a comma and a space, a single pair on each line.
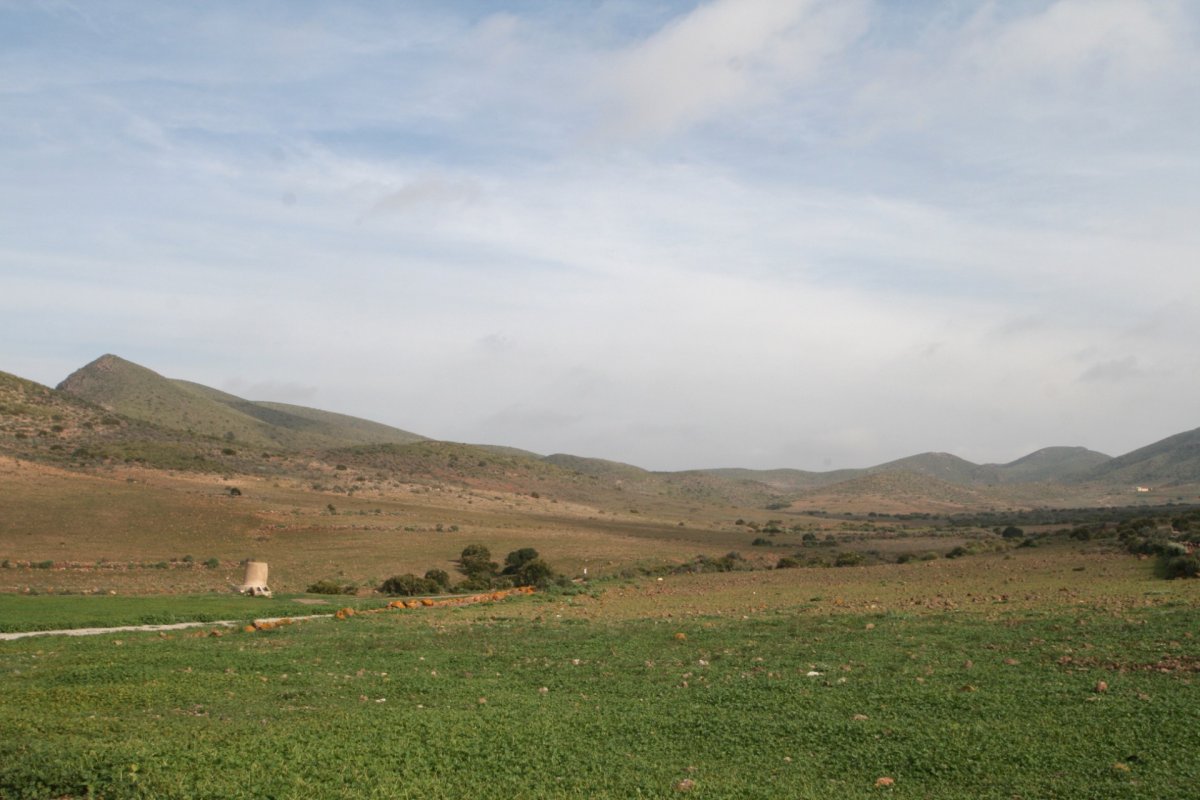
536, 573
518, 558
475, 562
439, 577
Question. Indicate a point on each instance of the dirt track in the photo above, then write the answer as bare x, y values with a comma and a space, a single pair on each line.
175, 626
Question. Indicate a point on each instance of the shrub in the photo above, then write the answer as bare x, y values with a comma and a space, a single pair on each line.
440, 577
1012, 532
408, 585
787, 562
762, 541
212, 563
328, 586
848, 559
1182, 567
957, 552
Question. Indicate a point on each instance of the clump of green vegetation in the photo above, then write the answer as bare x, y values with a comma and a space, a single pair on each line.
329, 586
408, 585
523, 567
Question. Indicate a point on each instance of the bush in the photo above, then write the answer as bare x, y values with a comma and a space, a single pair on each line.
1012, 532
327, 586
762, 541
787, 562
1182, 567
848, 559
408, 585
212, 563
958, 552
440, 577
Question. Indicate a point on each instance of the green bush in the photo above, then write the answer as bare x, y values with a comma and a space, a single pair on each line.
848, 559
408, 585
328, 586
787, 562
958, 552
440, 577
1182, 567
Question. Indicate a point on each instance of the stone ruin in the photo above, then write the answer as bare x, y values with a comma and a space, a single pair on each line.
255, 582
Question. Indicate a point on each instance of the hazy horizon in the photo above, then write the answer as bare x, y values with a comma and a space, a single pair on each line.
764, 233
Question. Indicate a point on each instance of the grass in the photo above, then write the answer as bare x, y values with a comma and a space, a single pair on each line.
644, 685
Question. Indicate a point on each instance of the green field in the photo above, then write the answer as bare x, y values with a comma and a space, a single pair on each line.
926, 675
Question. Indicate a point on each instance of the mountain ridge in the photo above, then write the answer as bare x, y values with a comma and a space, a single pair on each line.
138, 393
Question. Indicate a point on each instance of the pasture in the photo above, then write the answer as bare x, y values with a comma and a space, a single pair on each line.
1039, 673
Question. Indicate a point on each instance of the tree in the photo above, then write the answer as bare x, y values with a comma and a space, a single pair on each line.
518, 558
439, 577
476, 563
536, 573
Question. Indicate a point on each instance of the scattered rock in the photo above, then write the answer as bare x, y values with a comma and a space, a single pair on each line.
884, 781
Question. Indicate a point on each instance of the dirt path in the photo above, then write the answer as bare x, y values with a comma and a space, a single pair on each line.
175, 626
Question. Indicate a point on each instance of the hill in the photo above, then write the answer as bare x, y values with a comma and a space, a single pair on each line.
142, 394
895, 491
1047, 464
1052, 464
1167, 462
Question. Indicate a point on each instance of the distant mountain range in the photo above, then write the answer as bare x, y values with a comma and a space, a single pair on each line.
115, 409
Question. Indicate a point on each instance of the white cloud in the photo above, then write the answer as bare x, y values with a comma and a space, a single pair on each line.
1074, 41
722, 56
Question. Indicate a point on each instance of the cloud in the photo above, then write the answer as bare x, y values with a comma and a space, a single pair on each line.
1114, 370
1069, 41
721, 56
426, 191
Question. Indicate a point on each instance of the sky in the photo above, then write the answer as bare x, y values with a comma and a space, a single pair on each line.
759, 233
